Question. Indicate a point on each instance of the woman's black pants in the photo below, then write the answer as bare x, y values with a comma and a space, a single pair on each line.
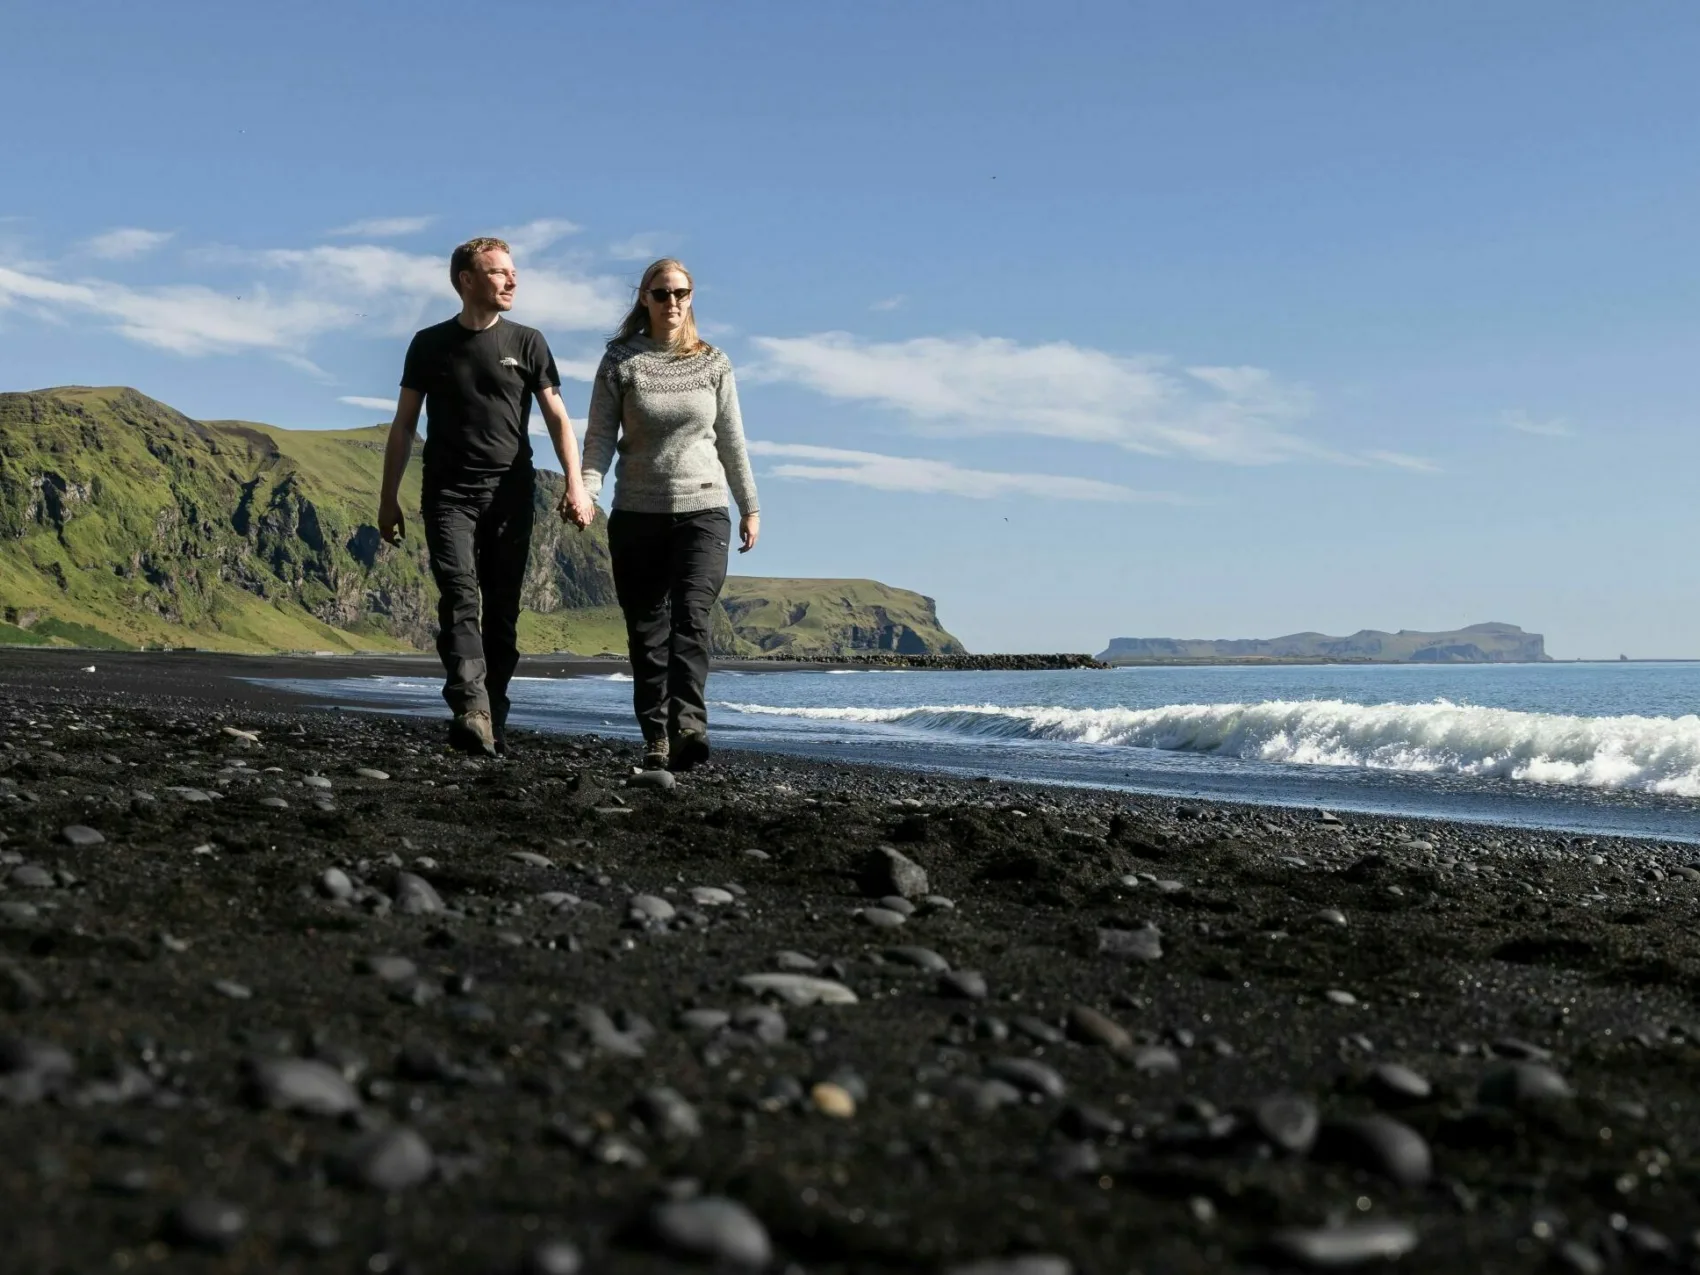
668, 569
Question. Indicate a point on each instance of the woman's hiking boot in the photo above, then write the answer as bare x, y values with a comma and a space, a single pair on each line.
472, 733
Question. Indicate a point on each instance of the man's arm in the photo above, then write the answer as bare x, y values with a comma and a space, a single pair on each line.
576, 503
391, 525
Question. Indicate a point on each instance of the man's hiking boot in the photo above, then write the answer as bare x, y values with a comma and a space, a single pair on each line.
690, 749
472, 733
655, 754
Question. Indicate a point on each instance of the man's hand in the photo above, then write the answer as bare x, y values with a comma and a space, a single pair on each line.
391, 525
749, 531
576, 506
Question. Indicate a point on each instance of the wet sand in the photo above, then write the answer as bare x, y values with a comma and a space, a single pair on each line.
288, 1016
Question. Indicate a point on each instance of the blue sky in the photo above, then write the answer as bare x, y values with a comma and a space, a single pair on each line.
1196, 320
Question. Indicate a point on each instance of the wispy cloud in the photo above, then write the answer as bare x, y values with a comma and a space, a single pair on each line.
577, 369
1400, 460
302, 295
371, 404
890, 303
1524, 423
383, 227
536, 236
982, 385
125, 242
644, 247
915, 474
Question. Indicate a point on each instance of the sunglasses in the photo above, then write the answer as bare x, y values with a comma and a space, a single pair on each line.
661, 295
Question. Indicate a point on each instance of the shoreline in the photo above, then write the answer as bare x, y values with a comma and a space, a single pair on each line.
1173, 1035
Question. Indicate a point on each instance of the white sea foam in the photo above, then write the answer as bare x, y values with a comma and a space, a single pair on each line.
1640, 754
610, 677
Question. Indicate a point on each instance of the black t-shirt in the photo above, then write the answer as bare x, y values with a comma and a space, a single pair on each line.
478, 388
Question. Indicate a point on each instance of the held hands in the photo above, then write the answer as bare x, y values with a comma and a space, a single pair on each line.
749, 531
576, 506
391, 525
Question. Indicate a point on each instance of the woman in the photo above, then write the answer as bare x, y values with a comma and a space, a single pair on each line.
666, 400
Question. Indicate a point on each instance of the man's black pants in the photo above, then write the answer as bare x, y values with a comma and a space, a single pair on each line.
479, 535
668, 569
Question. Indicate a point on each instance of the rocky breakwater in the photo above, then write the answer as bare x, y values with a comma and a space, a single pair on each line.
307, 993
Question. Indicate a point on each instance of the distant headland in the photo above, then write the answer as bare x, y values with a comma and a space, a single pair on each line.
1477, 644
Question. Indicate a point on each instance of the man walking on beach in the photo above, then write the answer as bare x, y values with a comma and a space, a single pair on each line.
475, 375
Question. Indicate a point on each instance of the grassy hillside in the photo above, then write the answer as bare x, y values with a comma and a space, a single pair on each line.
833, 617
124, 523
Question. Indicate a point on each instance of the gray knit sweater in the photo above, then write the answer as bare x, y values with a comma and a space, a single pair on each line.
675, 424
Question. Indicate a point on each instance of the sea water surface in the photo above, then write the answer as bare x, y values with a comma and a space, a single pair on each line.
1579, 748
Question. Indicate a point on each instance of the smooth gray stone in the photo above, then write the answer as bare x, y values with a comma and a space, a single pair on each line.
1144, 944
711, 1229
762, 1022
1038, 1029
552, 1257
302, 1084
1522, 1084
1379, 1144
662, 780
414, 895
1288, 1121
1334, 1248
318, 782
983, 1095
897, 903
30, 1069
205, 1222
19, 912
1156, 1060
1397, 1081
32, 876
968, 985
1030, 1075
881, 918
80, 836
387, 1160
711, 896
887, 870
1027, 1264
1088, 1025
1331, 916
370, 772
1578, 1259
387, 969
274, 803
333, 883
667, 1115
799, 989
193, 796
921, 958
1520, 1050
234, 990
795, 962
1070, 1160
532, 859
650, 907
606, 1035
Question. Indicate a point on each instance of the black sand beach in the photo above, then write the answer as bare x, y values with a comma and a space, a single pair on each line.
263, 1010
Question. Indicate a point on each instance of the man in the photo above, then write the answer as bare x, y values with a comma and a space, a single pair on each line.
475, 375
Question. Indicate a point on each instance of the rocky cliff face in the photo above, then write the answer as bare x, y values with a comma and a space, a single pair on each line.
124, 522
834, 617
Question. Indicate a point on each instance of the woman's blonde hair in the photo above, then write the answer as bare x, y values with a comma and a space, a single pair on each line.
636, 322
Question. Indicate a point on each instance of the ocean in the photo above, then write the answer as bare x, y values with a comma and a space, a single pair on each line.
1582, 749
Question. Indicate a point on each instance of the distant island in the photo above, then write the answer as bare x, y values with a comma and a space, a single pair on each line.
1477, 644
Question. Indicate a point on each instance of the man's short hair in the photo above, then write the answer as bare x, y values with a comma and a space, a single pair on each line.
465, 257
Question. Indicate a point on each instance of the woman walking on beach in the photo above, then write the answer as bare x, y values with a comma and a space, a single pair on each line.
666, 401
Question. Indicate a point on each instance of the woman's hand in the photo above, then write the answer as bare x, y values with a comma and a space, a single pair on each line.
749, 531
576, 506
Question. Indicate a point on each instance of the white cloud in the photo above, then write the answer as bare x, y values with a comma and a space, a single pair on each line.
127, 241
374, 404
535, 236
645, 247
1523, 423
890, 303
383, 227
914, 474
372, 289
577, 369
1400, 460
984, 385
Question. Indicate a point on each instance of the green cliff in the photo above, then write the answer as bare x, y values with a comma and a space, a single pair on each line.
125, 523
1477, 644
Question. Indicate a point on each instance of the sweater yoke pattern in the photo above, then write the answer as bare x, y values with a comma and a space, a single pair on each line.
633, 367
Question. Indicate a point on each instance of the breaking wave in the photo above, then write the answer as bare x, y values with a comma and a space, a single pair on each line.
1635, 754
